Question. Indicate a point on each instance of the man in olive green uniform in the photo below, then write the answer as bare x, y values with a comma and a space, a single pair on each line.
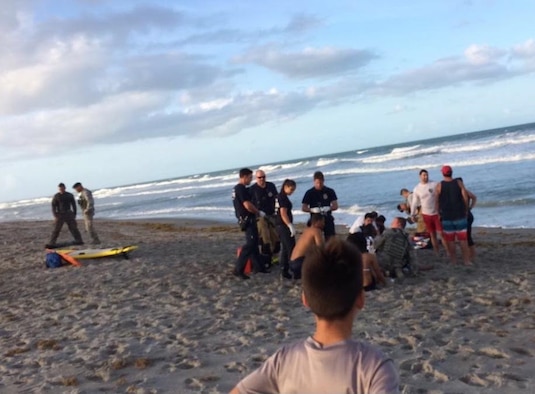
64, 211
88, 209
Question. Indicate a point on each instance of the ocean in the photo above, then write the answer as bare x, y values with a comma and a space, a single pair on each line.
497, 165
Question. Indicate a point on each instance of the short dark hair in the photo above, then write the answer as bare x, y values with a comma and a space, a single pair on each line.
403, 191
245, 172
332, 278
399, 208
380, 219
61, 184
422, 171
359, 240
319, 175
77, 184
370, 215
287, 182
402, 221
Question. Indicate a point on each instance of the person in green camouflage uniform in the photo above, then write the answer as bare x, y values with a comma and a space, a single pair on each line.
87, 204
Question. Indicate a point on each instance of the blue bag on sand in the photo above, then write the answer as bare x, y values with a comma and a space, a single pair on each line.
53, 260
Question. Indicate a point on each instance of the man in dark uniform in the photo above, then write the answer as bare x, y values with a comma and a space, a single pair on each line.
64, 211
246, 213
321, 199
263, 196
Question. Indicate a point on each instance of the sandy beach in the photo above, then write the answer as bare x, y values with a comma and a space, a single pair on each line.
171, 318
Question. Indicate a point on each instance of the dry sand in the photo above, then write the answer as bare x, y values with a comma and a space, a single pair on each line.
172, 320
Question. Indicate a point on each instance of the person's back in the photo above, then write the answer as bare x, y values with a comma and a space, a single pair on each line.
329, 361
312, 236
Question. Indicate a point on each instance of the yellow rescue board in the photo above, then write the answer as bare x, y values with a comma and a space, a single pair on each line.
97, 253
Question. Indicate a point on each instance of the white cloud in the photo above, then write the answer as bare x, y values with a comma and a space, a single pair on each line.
482, 54
310, 62
525, 50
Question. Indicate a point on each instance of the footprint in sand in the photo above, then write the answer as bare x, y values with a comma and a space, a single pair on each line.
235, 367
493, 352
521, 351
474, 380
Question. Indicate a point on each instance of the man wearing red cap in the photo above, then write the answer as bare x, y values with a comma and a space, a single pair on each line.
452, 203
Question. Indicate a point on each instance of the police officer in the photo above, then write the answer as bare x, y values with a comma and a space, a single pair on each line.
321, 199
263, 194
246, 213
64, 211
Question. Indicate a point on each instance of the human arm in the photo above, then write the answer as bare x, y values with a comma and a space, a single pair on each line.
438, 190
318, 237
414, 201
251, 207
472, 199
283, 211
464, 195
334, 205
90, 202
54, 206
376, 270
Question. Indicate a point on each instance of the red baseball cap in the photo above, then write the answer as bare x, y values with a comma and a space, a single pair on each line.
447, 171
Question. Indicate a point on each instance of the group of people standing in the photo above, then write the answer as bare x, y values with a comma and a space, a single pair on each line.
445, 208
263, 201
439, 208
64, 212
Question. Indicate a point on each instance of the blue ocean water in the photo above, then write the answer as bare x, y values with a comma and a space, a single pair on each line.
497, 165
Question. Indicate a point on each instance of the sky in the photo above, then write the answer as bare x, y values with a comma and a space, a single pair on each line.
111, 93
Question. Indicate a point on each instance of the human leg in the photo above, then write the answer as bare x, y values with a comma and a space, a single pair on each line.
249, 250
329, 229
73, 228
287, 245
88, 220
470, 241
430, 225
58, 224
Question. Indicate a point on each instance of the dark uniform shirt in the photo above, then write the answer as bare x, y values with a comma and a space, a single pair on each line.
264, 197
63, 203
315, 198
284, 202
240, 194
451, 201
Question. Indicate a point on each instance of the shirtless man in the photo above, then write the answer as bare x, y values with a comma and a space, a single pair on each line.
311, 236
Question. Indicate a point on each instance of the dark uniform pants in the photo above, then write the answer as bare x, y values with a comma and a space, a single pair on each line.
287, 246
70, 219
250, 249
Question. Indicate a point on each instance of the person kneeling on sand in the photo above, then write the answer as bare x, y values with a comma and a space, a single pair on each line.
372, 274
329, 361
394, 249
311, 236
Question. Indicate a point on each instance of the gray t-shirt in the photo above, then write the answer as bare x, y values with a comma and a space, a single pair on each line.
308, 367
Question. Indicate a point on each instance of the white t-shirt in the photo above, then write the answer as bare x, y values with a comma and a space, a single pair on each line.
308, 367
424, 196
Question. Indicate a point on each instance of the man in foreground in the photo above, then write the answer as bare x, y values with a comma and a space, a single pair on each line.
329, 361
88, 209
